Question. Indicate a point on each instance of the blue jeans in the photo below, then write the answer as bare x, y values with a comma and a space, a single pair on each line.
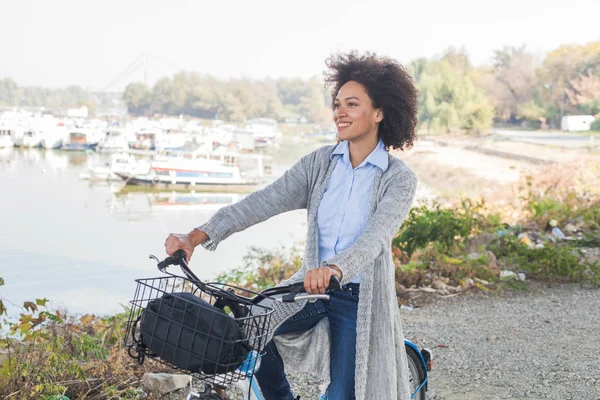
341, 311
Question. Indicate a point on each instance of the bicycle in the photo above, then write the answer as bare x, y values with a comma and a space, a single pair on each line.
163, 312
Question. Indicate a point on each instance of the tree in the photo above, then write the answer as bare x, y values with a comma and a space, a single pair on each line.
448, 101
585, 93
509, 82
312, 103
138, 98
9, 92
458, 60
561, 74
163, 97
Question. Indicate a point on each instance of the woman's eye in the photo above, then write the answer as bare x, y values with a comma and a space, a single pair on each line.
351, 104
336, 106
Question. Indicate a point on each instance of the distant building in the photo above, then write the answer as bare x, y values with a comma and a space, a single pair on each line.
79, 112
576, 122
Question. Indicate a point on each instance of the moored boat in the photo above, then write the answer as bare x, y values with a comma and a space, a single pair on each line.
80, 140
208, 174
119, 163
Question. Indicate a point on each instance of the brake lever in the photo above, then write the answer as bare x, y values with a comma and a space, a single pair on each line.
159, 264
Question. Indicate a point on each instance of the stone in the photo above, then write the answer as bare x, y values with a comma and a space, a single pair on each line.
507, 274
492, 262
570, 228
438, 285
480, 241
164, 383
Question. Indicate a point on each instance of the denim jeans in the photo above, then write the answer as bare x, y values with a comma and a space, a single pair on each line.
341, 311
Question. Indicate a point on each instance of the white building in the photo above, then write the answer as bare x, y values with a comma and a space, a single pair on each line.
576, 123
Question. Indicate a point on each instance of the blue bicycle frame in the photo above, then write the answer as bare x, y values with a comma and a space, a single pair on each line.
424, 357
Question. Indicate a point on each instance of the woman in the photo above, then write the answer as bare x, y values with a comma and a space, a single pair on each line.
357, 196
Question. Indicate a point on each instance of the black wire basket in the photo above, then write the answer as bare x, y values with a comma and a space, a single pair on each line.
204, 329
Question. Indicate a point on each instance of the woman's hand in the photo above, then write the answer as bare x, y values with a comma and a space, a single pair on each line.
185, 241
317, 280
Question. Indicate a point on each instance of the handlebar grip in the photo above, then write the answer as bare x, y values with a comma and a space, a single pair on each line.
180, 254
334, 284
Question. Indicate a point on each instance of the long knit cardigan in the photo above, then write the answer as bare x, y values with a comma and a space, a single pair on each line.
381, 365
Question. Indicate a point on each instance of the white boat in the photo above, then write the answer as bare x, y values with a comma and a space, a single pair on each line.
80, 139
145, 139
6, 140
114, 140
221, 174
31, 138
120, 163
173, 141
54, 136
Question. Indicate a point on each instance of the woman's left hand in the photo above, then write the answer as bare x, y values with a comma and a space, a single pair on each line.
316, 280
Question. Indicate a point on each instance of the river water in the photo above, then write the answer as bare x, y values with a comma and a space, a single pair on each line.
82, 244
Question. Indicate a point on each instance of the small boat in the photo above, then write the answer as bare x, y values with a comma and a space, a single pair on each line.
6, 140
80, 140
114, 140
31, 138
204, 174
119, 163
54, 136
145, 139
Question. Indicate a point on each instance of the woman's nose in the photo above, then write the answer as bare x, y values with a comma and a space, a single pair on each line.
340, 111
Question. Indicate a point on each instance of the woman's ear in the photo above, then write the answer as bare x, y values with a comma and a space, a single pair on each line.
379, 115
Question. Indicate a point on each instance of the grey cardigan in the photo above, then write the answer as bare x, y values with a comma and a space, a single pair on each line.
381, 365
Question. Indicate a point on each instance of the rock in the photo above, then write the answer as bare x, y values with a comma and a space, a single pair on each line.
428, 290
438, 284
164, 383
480, 241
492, 262
454, 289
570, 228
507, 274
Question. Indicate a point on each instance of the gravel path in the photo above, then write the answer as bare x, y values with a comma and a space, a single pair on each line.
540, 344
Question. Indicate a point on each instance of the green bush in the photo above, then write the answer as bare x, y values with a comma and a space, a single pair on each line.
447, 228
552, 263
51, 355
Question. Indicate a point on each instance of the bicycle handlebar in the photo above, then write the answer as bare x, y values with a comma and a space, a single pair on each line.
290, 293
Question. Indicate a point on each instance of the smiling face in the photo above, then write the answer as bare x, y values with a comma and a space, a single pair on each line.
354, 115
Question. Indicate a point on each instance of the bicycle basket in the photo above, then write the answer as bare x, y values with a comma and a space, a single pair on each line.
186, 328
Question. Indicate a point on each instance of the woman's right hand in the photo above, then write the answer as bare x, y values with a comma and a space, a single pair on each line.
184, 241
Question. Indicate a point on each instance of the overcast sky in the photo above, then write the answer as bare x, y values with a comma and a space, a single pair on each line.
62, 42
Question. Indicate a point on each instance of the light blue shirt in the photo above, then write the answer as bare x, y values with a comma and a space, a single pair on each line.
344, 212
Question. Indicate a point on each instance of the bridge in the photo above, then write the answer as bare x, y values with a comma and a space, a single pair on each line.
144, 62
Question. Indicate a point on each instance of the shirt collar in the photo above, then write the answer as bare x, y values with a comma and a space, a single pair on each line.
378, 157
